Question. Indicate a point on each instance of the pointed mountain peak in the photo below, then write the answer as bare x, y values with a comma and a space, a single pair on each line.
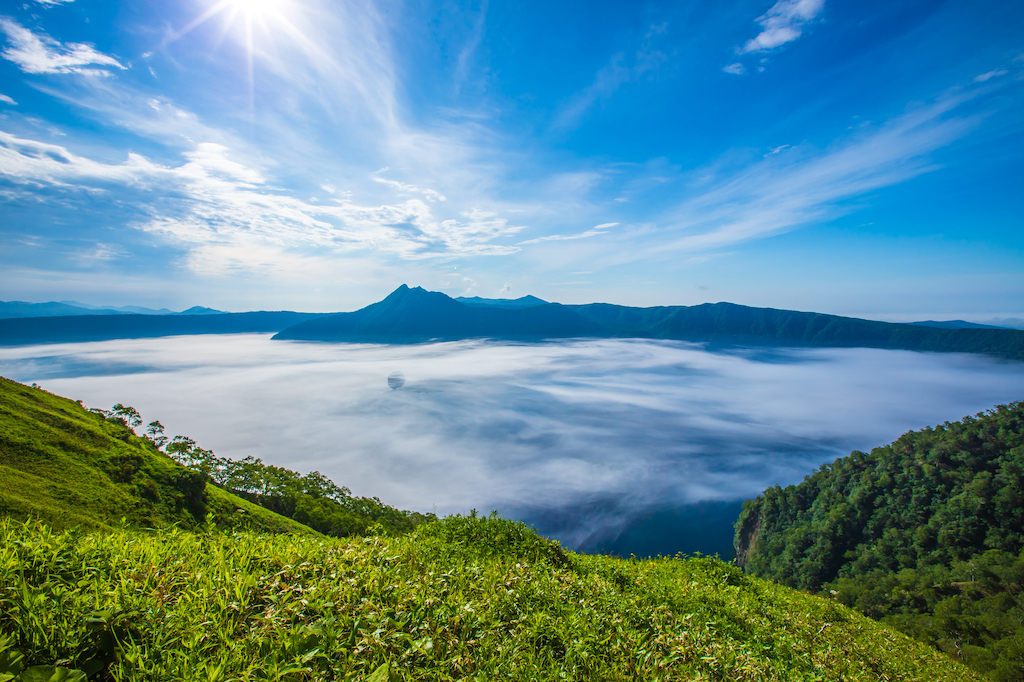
414, 296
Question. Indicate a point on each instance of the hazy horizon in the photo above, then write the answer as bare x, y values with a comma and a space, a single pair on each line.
1005, 320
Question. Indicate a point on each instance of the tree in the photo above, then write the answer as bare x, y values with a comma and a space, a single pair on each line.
155, 431
129, 415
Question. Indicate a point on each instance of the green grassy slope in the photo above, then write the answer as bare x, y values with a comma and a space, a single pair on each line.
73, 468
460, 599
926, 533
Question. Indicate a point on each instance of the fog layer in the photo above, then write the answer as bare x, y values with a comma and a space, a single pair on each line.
628, 445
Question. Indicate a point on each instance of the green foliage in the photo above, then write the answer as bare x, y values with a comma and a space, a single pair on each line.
78, 468
465, 598
926, 534
72, 467
311, 499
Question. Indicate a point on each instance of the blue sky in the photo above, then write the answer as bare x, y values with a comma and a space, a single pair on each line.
859, 158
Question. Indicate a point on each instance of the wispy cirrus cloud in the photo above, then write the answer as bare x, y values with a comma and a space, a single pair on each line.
621, 69
792, 186
783, 23
995, 73
430, 194
222, 211
468, 53
39, 53
595, 231
7, 100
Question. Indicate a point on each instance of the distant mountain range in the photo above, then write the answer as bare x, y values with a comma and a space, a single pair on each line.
955, 324
524, 302
416, 315
12, 309
104, 327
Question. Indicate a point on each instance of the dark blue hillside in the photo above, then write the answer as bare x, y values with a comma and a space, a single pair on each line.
955, 324
416, 315
729, 323
521, 302
72, 329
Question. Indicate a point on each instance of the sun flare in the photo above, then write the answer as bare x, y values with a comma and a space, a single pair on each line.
250, 22
257, 9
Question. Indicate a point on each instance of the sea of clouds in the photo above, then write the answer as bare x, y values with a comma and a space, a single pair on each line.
613, 445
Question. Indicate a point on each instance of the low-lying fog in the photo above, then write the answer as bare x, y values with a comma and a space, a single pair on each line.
613, 445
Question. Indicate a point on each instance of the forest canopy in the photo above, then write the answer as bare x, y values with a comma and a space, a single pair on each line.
925, 534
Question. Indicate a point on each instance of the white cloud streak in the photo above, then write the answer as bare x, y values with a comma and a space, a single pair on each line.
783, 23
981, 78
229, 215
795, 186
619, 71
431, 195
595, 231
468, 53
39, 53
8, 100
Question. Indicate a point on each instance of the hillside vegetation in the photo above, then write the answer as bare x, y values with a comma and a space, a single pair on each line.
76, 468
925, 534
460, 599
311, 499
159, 574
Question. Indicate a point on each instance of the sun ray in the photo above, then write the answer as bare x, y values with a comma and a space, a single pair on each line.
245, 18
198, 21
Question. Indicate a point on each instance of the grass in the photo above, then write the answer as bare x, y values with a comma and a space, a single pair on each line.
118, 563
73, 468
460, 599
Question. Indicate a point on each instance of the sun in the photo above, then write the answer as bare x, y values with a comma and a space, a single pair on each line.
268, 14
257, 9
250, 21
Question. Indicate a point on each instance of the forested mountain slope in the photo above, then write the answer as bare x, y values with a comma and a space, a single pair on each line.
925, 533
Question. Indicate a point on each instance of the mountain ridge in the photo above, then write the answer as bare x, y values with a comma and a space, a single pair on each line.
21, 309
81, 328
521, 302
414, 315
